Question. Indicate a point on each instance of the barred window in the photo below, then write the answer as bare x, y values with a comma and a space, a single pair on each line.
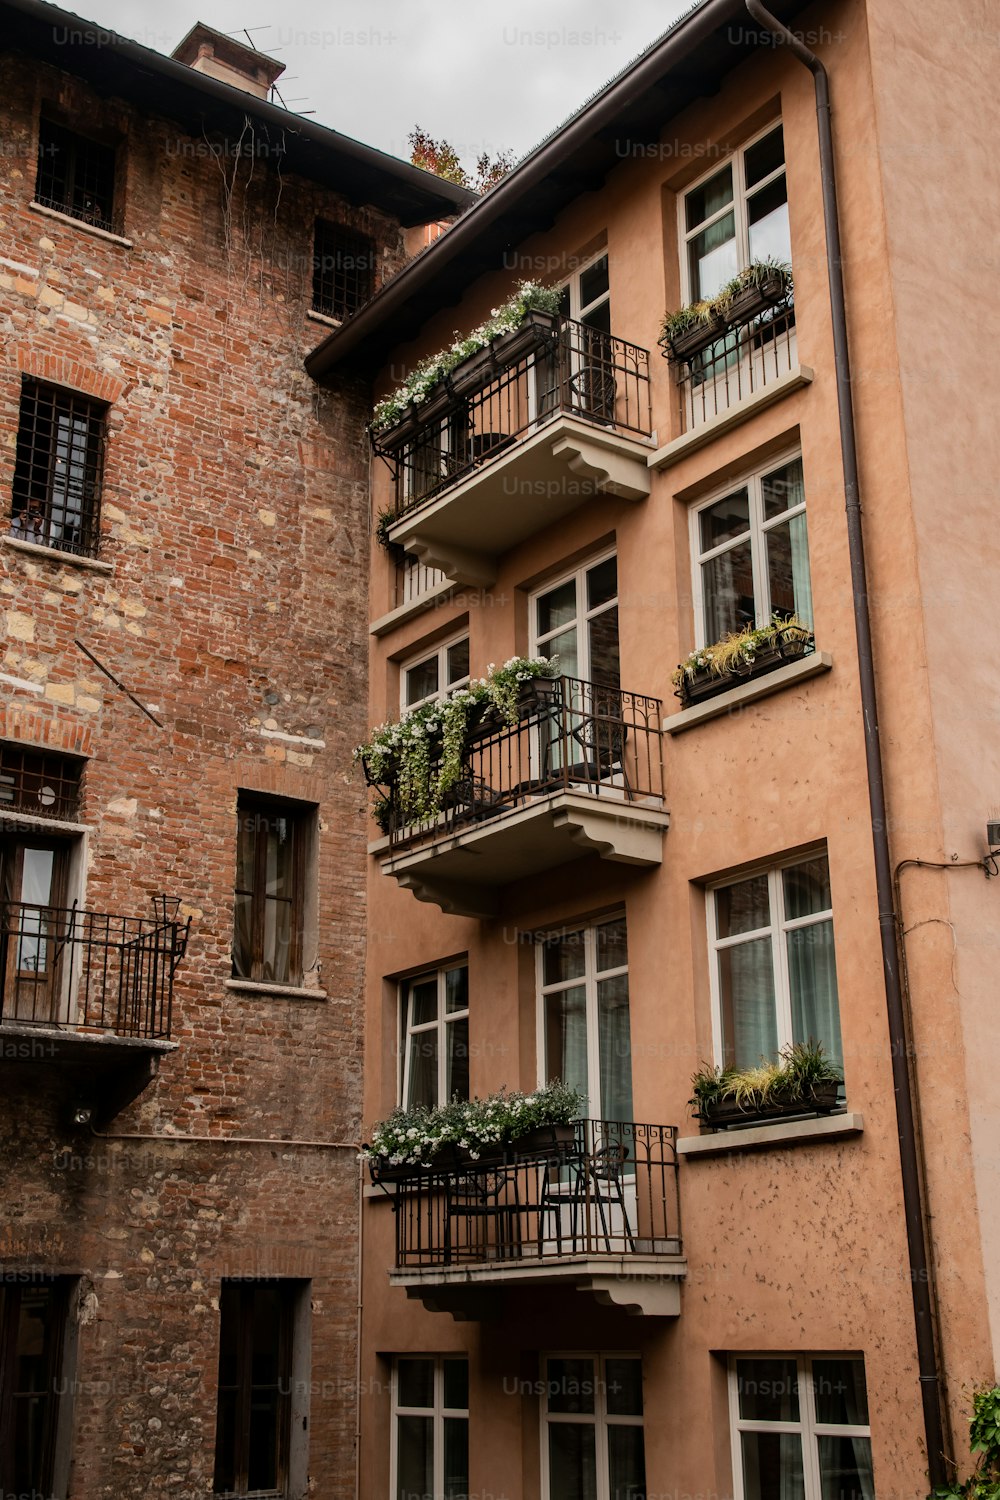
46, 785
75, 175
343, 270
57, 472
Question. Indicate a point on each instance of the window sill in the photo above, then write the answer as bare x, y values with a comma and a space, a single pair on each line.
775, 1133
37, 822
739, 697
742, 411
53, 554
319, 317
278, 991
81, 224
403, 612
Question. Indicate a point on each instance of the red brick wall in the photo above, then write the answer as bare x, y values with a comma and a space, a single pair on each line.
234, 524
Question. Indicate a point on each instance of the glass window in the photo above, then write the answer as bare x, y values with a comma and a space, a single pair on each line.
435, 674
430, 1428
775, 971
751, 554
434, 1014
55, 498
76, 176
32, 1318
736, 215
254, 1397
343, 270
584, 1003
593, 1439
269, 893
800, 1428
576, 620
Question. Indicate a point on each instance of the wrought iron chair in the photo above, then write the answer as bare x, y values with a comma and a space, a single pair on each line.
596, 1181
483, 1198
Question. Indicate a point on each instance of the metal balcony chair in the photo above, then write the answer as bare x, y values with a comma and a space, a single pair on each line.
488, 1200
596, 1182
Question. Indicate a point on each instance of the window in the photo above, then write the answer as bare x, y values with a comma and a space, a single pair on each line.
800, 1428
37, 783
435, 674
343, 270
583, 1015
434, 1013
75, 175
252, 1434
576, 619
592, 1438
773, 966
751, 554
270, 889
34, 968
57, 469
586, 297
430, 1428
736, 215
32, 1327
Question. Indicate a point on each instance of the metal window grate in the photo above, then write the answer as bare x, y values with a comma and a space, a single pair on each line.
75, 175
343, 270
57, 473
45, 785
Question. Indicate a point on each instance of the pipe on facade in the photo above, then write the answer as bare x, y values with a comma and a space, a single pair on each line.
924, 1296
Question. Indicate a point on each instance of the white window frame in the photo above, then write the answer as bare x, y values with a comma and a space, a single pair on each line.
599, 1418
445, 689
736, 159
584, 614
578, 310
440, 1024
807, 1426
589, 979
776, 930
438, 1412
758, 529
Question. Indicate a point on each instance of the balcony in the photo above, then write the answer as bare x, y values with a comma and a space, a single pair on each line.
598, 1212
580, 773
548, 417
746, 367
90, 994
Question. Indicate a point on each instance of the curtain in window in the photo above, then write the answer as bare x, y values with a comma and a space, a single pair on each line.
615, 1042
566, 1037
812, 977
749, 1023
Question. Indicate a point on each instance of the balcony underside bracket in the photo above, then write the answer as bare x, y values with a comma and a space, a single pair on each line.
455, 899
473, 569
629, 842
640, 1297
612, 472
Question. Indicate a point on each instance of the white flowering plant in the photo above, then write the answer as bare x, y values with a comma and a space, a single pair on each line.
415, 1137
530, 296
740, 648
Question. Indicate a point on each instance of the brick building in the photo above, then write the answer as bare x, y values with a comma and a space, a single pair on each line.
791, 1300
183, 559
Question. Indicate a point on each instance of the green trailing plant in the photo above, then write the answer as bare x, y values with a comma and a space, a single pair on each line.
741, 648
694, 315
530, 296
984, 1440
415, 1137
799, 1067
716, 309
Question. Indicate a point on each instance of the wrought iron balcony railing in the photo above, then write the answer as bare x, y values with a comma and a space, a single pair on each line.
610, 1189
572, 736
95, 971
744, 360
567, 368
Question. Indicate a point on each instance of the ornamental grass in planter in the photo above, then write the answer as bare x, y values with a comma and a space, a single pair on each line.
468, 1130
802, 1080
689, 330
746, 653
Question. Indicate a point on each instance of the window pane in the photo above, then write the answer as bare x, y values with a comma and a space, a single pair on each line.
727, 519
612, 945
704, 201
458, 661
626, 1464
604, 661
783, 489
841, 1392
414, 1458
456, 989
569, 1385
713, 258
456, 1458
772, 1466
812, 977
767, 213
788, 581
563, 957
265, 1337
458, 1059
572, 1461
746, 992
556, 608
566, 1037
728, 592
594, 281
277, 941
33, 1378
415, 1382
768, 1390
423, 996
456, 1384
423, 1075
602, 583
598, 317
262, 1440
765, 157
624, 1383
566, 647
279, 869
845, 1468
246, 844
807, 888
615, 1048
743, 907
421, 680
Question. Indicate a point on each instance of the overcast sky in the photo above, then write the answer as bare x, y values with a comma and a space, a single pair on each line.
488, 77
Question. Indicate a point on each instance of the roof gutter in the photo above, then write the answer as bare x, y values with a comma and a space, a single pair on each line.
925, 1309
594, 117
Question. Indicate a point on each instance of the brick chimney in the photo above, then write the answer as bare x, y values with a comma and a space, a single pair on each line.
220, 56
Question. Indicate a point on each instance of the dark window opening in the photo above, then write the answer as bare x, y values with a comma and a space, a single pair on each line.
343, 270
31, 782
270, 890
255, 1364
32, 1323
76, 176
57, 470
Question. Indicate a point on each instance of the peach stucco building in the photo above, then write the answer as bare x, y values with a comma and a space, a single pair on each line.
624, 885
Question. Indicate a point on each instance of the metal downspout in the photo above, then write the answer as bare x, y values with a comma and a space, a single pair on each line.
924, 1300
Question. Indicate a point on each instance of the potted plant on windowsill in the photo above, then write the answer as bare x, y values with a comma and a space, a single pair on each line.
803, 1080
762, 284
747, 653
689, 330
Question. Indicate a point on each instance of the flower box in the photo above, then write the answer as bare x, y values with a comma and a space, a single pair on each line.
537, 695
545, 1138
696, 687
537, 329
745, 305
684, 346
473, 373
821, 1098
